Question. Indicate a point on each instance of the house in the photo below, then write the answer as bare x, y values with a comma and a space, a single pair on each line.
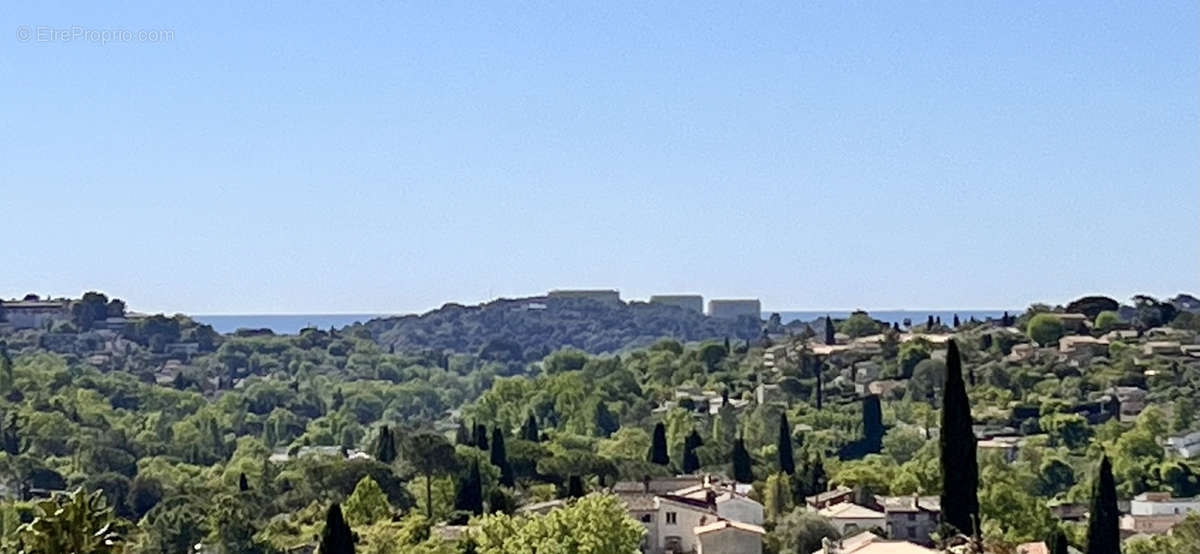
1156, 513
1161, 348
724, 536
732, 504
1022, 352
766, 393
541, 508
1185, 446
1083, 345
911, 518
691, 302
829, 498
34, 313
885, 387
1033, 548
870, 543
1072, 323
1006, 447
1131, 399
849, 518
734, 309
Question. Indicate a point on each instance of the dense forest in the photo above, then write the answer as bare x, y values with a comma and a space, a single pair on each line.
123, 432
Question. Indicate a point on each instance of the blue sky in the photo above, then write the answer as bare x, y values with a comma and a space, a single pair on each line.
392, 156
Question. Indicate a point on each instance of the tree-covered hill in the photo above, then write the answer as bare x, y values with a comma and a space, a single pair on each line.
529, 328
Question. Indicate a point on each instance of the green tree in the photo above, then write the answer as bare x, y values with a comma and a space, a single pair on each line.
859, 324
233, 526
959, 466
1103, 531
529, 431
367, 504
658, 446
1045, 328
777, 498
430, 454
911, 353
691, 462
1107, 321
596, 524
469, 495
873, 430
1057, 543
385, 445
499, 458
336, 537
830, 336
75, 523
801, 532
743, 471
783, 446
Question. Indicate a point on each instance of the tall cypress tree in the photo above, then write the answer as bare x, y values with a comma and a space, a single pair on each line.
385, 445
243, 484
830, 335
956, 321
530, 431
959, 466
1057, 543
336, 537
658, 447
1103, 533
873, 430
481, 437
787, 458
743, 466
820, 392
469, 496
929, 324
691, 462
462, 435
575, 487
500, 458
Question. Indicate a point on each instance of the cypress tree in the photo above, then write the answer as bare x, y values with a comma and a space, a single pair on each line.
336, 537
658, 447
1103, 533
469, 496
462, 435
956, 321
820, 392
575, 487
1057, 543
815, 477
500, 458
743, 470
243, 485
959, 466
385, 445
929, 324
830, 336
530, 431
787, 458
481, 437
691, 462
873, 430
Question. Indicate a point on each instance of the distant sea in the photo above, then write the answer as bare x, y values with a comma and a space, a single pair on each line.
285, 324
897, 316
293, 323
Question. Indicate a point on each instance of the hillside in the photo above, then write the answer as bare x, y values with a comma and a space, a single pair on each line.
533, 327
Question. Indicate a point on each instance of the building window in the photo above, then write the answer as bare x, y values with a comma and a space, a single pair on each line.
670, 518
647, 518
912, 517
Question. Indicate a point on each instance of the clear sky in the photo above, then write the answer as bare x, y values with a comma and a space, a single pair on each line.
393, 156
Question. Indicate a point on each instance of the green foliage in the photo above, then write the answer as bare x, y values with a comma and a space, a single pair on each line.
336, 537
743, 470
859, 324
1103, 532
1107, 321
1045, 328
367, 504
74, 522
597, 523
658, 447
801, 532
960, 470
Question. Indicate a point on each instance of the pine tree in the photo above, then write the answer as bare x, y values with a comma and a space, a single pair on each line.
1057, 543
691, 462
787, 458
462, 435
658, 448
830, 336
500, 458
530, 431
469, 496
959, 466
743, 470
481, 437
873, 429
575, 487
1103, 533
385, 445
336, 537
